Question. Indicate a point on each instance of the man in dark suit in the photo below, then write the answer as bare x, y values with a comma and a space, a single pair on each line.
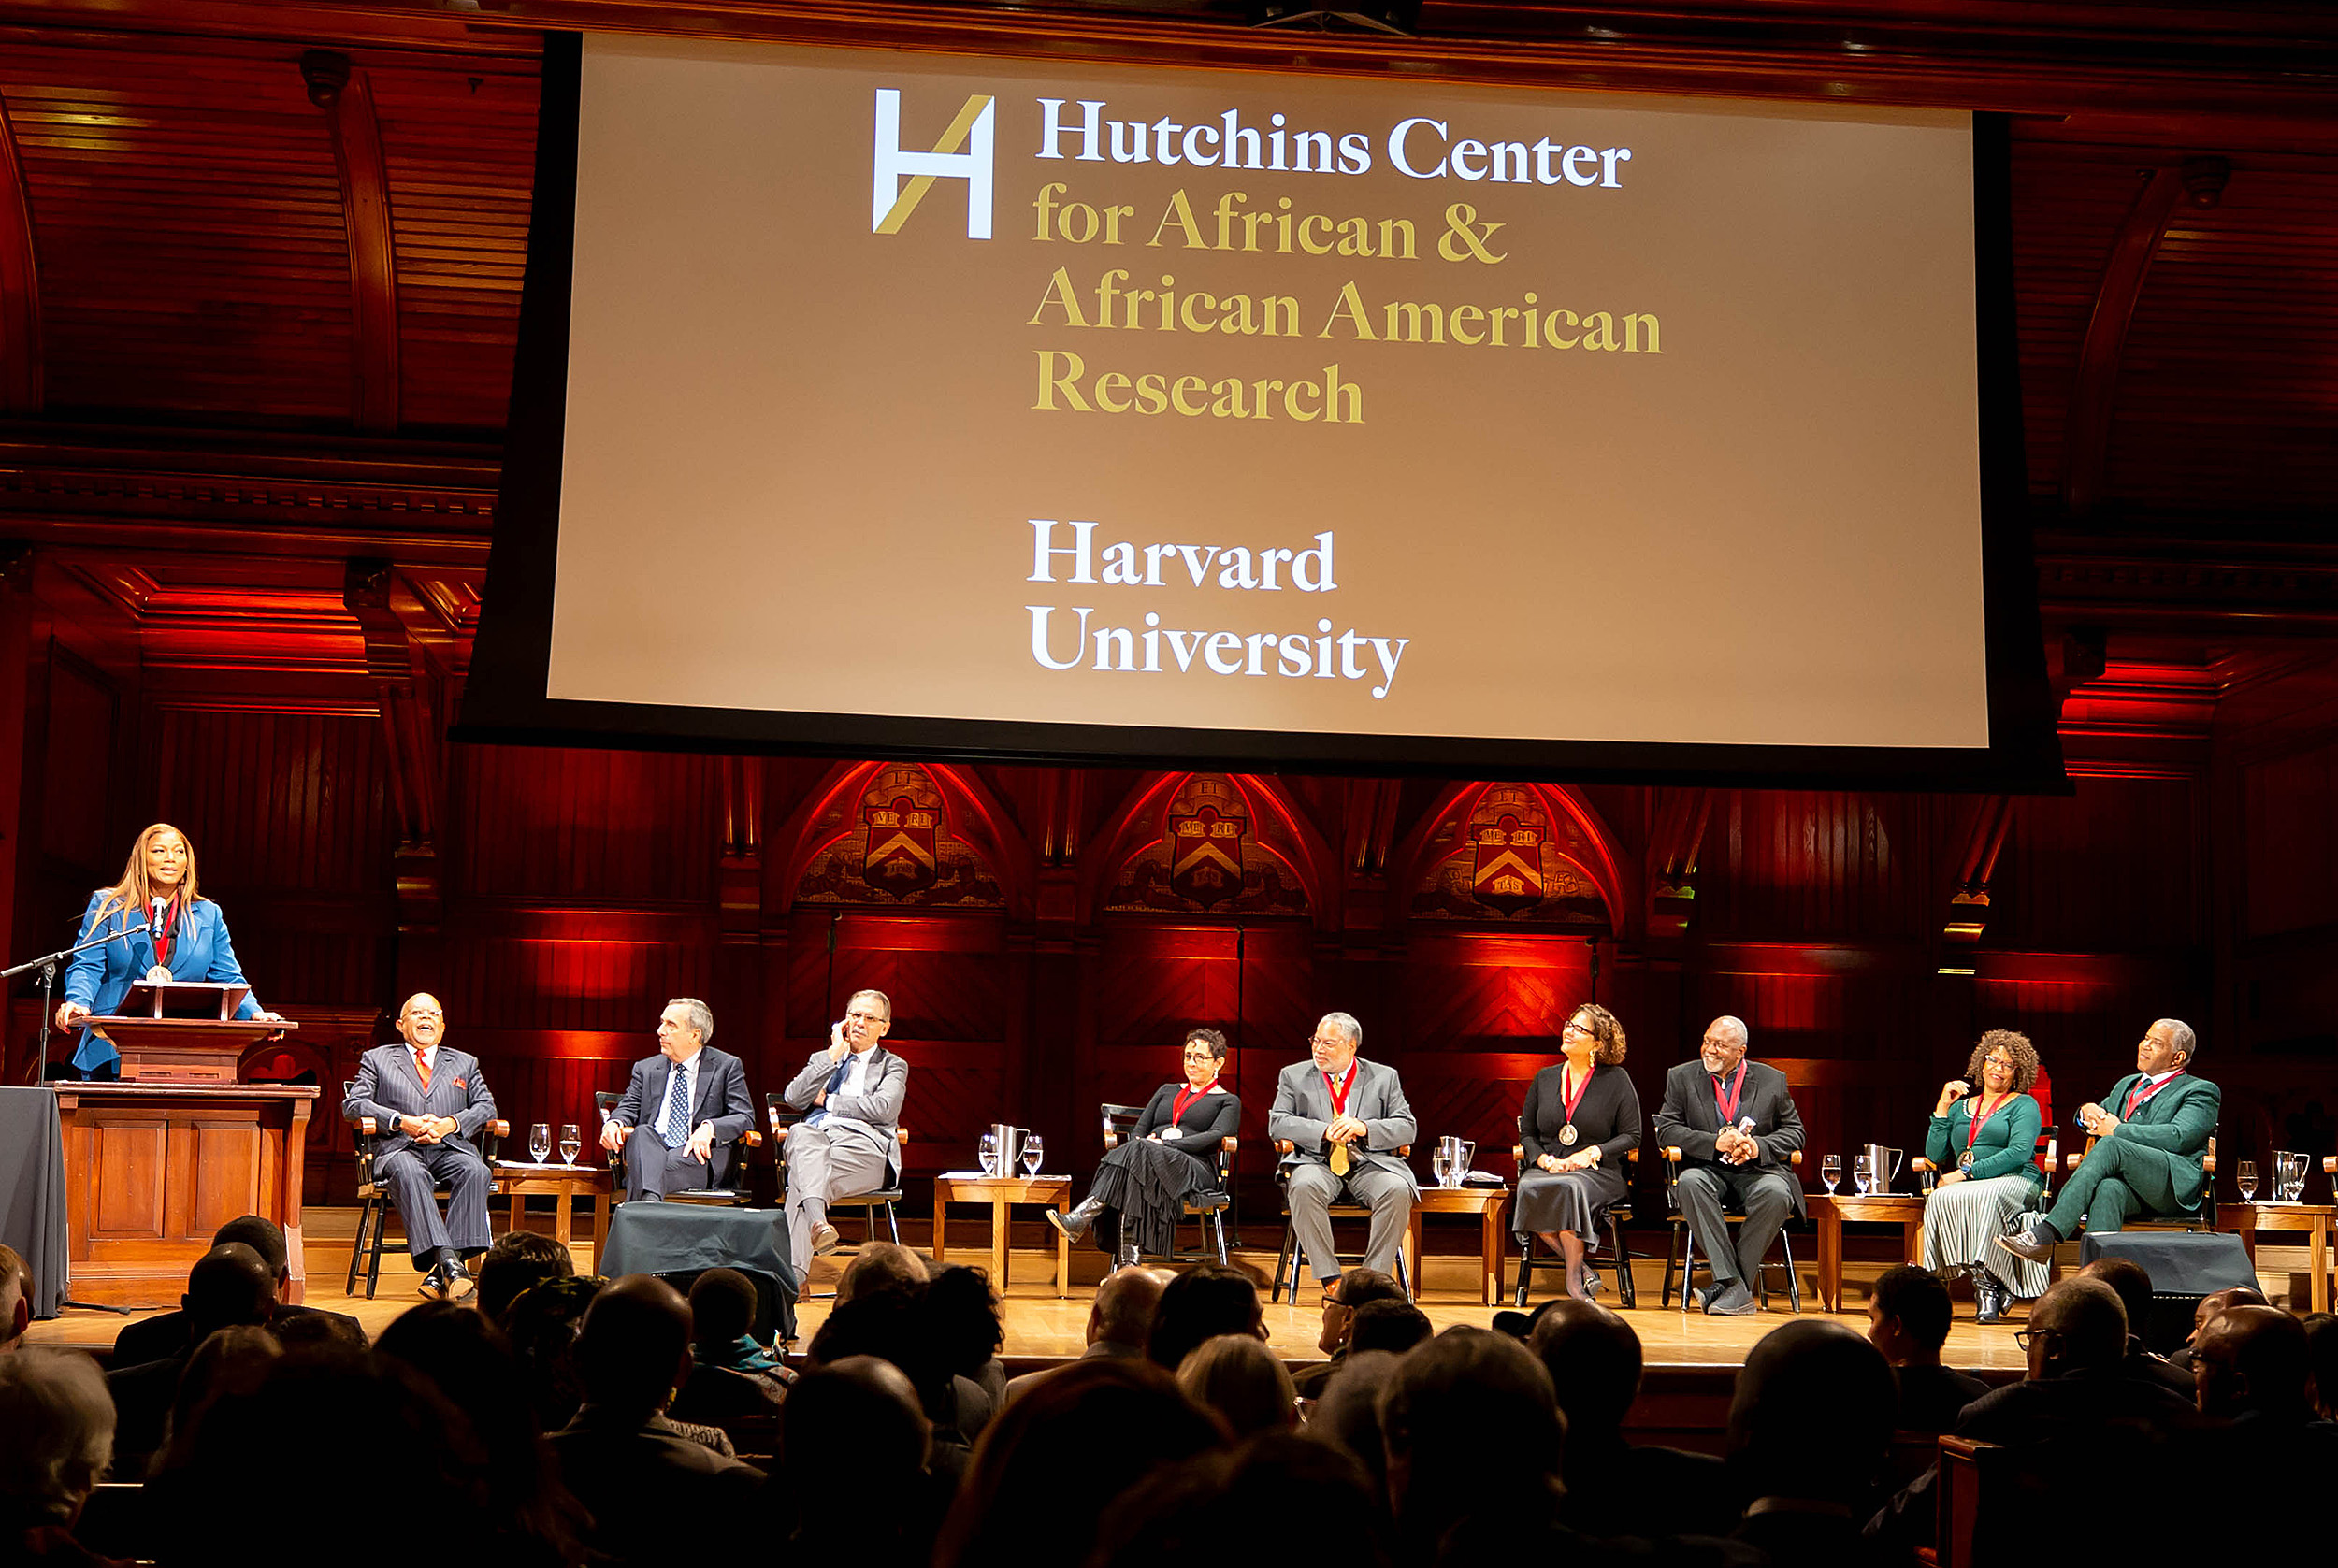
1734, 1122
1615, 1487
2149, 1158
428, 1103
850, 1141
1345, 1118
164, 1334
696, 1100
1119, 1321
2077, 1387
228, 1287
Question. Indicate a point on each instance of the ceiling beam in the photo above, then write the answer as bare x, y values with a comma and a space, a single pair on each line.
20, 364
346, 97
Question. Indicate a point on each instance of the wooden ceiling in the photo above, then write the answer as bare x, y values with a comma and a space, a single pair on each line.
258, 305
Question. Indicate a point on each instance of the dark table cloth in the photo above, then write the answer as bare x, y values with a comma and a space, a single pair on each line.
687, 1238
32, 1192
2180, 1262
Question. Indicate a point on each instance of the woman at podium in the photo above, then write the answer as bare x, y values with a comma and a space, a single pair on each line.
152, 925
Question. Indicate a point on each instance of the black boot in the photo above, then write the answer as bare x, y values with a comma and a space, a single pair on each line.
1083, 1215
1990, 1297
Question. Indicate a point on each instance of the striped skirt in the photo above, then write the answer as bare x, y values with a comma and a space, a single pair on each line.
1963, 1221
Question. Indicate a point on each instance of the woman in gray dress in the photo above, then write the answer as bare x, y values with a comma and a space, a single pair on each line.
1580, 1118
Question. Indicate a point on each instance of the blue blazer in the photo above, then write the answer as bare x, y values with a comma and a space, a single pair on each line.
99, 978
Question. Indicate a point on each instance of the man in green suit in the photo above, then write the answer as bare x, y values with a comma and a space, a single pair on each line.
2147, 1153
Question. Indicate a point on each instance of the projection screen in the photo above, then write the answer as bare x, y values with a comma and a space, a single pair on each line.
983, 407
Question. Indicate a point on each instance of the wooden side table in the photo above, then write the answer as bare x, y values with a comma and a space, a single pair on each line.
1490, 1204
521, 1181
1001, 1193
2314, 1221
1827, 1213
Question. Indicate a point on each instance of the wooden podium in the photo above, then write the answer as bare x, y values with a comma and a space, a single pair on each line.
183, 1032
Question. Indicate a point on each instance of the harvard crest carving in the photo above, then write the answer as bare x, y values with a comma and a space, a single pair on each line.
1209, 858
900, 851
1508, 861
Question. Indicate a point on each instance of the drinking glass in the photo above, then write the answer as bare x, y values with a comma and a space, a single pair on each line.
1441, 1167
1032, 1154
570, 1143
1830, 1172
986, 1154
2293, 1177
539, 1142
2245, 1177
1860, 1175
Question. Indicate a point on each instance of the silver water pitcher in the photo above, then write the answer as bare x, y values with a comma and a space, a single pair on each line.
1009, 1143
1883, 1166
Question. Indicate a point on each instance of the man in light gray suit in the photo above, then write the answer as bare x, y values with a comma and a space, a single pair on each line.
854, 1091
1345, 1118
428, 1103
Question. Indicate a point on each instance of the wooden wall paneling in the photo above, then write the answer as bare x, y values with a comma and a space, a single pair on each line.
2289, 842
598, 826
21, 352
2118, 866
1809, 864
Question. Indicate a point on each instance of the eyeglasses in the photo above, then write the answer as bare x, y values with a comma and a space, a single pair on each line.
1329, 1042
1572, 1026
864, 1017
1200, 1054
2026, 1337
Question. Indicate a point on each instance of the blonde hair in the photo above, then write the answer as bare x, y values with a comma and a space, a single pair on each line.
1240, 1378
134, 892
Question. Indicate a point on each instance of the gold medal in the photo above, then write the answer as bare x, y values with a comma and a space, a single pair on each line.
158, 975
1567, 1136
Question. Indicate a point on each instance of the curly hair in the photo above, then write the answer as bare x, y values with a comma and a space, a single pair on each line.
1604, 1028
2017, 1046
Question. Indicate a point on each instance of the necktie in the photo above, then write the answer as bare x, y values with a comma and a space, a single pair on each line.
422, 1069
835, 1082
674, 1127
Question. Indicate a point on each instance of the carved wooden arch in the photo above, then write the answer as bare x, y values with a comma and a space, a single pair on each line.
1408, 864
1135, 826
978, 818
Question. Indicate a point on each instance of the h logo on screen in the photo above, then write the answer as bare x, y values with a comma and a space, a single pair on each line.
970, 130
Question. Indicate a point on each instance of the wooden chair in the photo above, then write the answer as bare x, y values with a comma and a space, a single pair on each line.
1208, 1210
2204, 1220
1680, 1258
740, 1194
784, 1116
1287, 1260
2045, 1188
1966, 1471
1625, 1296
374, 1204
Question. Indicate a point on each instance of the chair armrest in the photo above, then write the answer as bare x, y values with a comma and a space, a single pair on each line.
900, 1136
1672, 1154
2071, 1162
1283, 1145
2208, 1163
2330, 1165
366, 1126
751, 1138
1233, 1145
497, 1128
1794, 1157
1112, 1140
1919, 1163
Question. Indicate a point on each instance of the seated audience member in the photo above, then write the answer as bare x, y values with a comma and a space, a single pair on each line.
1243, 1381
468, 1361
1345, 1118
886, 1313
1908, 1316
2133, 1281
1342, 1298
2321, 1349
1203, 1302
1394, 1326
881, 1266
519, 1260
637, 1475
1048, 1469
731, 1373
543, 1322
1348, 1414
428, 1102
2077, 1385
164, 1334
1188, 1513
228, 1365
2256, 1372
1463, 1500
1614, 1488
2211, 1306
16, 1299
863, 1413
56, 1434
228, 1287
963, 1325
1810, 1442
2151, 1139
1119, 1321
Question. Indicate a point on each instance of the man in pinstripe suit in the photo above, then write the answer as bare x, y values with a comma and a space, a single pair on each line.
428, 1104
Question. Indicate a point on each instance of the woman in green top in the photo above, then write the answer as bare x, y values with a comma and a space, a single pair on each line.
1984, 1143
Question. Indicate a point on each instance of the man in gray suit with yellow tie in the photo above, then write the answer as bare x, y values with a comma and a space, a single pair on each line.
1345, 1120
428, 1103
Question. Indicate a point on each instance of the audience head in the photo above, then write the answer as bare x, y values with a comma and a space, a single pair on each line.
2321, 1354
1812, 1387
1348, 1293
56, 1436
264, 1236
16, 1298
519, 1260
228, 1287
860, 1410
1193, 1512
542, 1323
1048, 1467
1594, 1359
2217, 1303
1908, 1316
229, 1361
1124, 1307
302, 1330
1476, 1381
634, 1347
2079, 1325
1203, 1302
722, 1303
1348, 1416
2132, 1283
881, 1266
1386, 1324
962, 1318
2254, 1359
1241, 1380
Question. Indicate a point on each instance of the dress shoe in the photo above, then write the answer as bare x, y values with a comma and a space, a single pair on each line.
457, 1282
2029, 1244
823, 1239
434, 1286
1735, 1302
1991, 1299
1080, 1221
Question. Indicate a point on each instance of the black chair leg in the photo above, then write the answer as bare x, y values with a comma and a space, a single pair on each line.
358, 1247
1282, 1267
381, 1232
1526, 1268
1626, 1296
1673, 1269
1794, 1281
1217, 1223
893, 1223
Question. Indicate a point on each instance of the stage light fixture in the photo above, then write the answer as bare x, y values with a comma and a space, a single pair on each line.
1399, 17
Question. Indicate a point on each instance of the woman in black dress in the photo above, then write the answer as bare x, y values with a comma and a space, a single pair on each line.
1582, 1117
1140, 1189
